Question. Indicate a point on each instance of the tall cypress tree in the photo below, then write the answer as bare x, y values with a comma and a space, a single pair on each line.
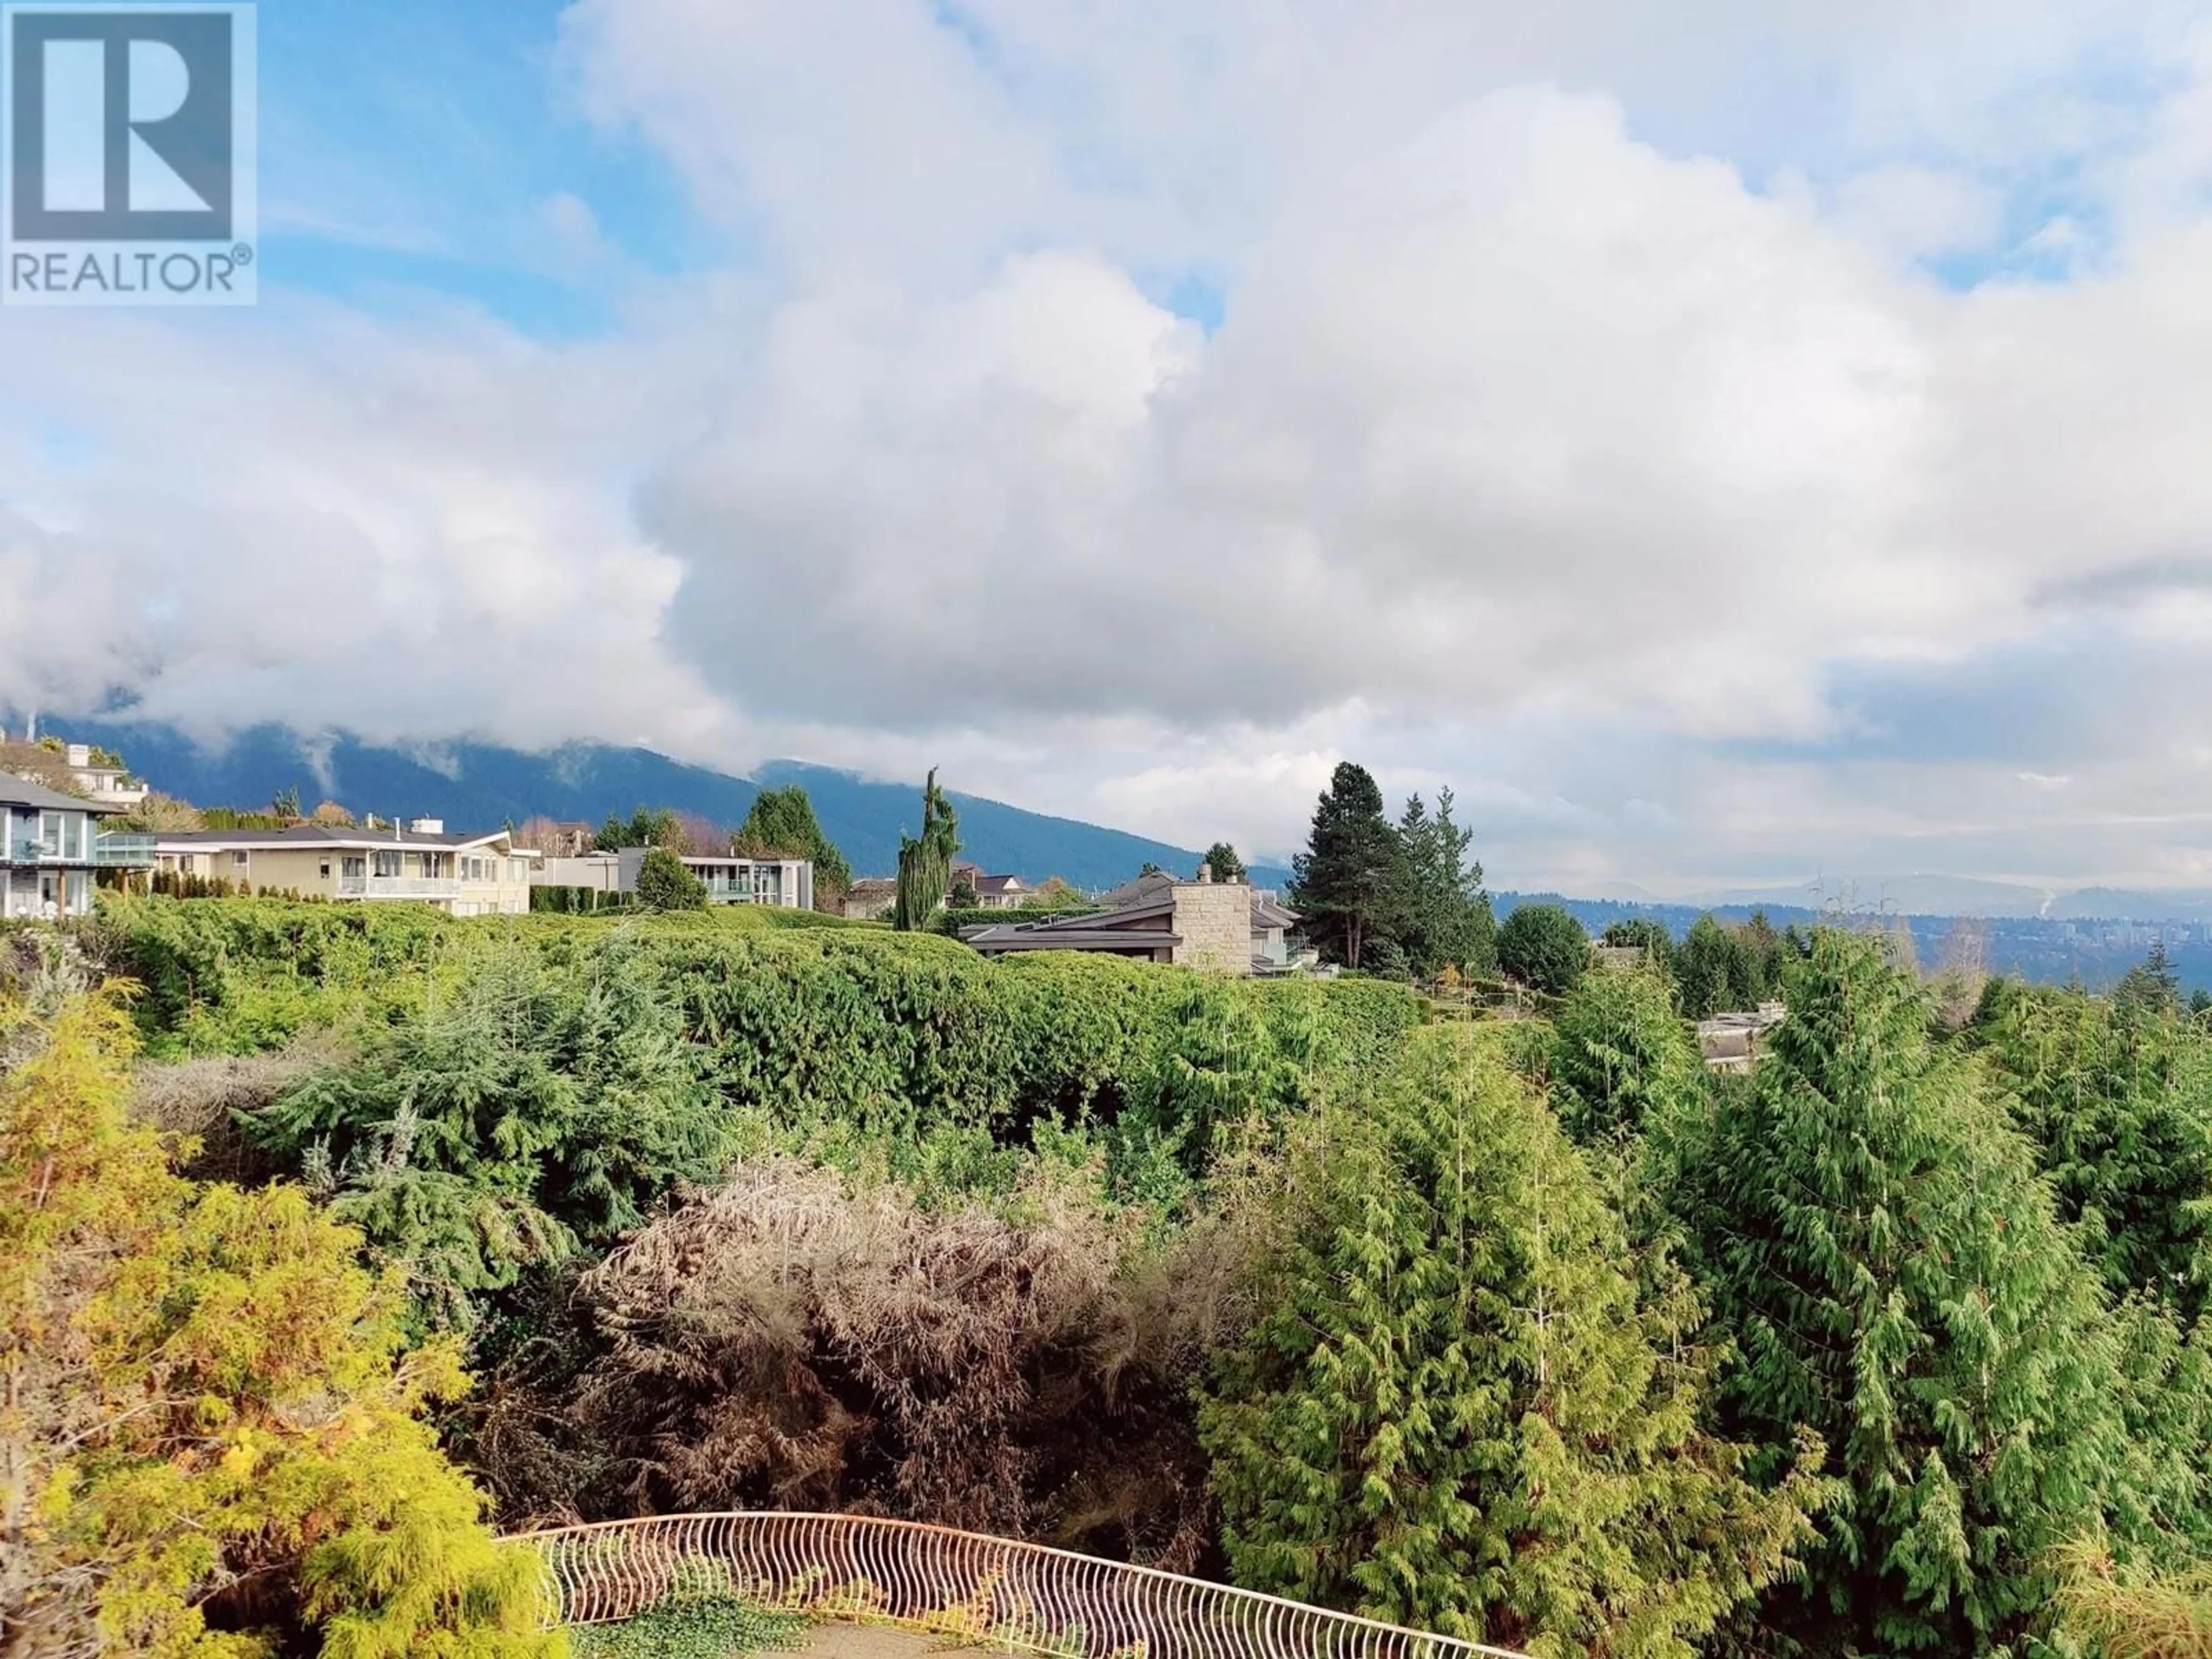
1878, 1245
1463, 1406
1349, 884
924, 861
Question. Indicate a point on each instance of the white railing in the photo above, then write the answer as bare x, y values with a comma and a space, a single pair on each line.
399, 887
990, 1592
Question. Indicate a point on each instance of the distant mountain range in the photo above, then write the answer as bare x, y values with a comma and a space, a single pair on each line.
2096, 933
481, 786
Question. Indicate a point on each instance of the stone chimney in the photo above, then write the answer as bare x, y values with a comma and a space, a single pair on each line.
1205, 874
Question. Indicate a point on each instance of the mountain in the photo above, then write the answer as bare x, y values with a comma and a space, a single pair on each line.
482, 786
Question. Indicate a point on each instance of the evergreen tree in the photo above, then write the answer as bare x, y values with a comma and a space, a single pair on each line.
213, 1442
1458, 1408
782, 820
665, 884
1223, 860
924, 861
2117, 1097
1350, 883
1877, 1244
1447, 916
1544, 947
1709, 973
1620, 1056
2151, 984
647, 827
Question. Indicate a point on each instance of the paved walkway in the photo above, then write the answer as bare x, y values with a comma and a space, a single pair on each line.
874, 1642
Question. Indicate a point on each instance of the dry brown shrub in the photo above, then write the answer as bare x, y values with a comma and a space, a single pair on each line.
199, 1100
790, 1340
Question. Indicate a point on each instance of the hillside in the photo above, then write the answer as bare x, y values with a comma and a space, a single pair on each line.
473, 785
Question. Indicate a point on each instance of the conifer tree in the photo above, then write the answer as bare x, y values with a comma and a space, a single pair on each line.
1460, 1408
1876, 1240
1620, 1056
2116, 1096
1349, 884
924, 861
213, 1444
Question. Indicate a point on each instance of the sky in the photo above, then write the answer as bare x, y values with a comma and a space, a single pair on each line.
1739, 441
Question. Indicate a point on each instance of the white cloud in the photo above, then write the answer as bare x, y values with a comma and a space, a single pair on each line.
1580, 404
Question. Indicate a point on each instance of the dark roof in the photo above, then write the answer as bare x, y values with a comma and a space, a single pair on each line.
21, 792
995, 883
1030, 937
1265, 913
316, 835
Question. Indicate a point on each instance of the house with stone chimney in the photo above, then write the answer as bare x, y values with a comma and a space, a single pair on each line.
1220, 926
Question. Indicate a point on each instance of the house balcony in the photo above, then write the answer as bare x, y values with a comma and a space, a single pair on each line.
399, 887
108, 851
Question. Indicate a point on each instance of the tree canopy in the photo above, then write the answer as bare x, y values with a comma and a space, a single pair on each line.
782, 820
1544, 947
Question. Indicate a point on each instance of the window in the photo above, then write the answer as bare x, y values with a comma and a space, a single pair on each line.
187, 862
353, 868
387, 864
50, 833
242, 859
324, 870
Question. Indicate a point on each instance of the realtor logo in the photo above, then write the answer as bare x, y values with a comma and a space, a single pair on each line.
127, 155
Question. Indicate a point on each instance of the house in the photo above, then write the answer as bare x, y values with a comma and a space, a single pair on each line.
993, 892
1730, 1041
484, 875
104, 781
870, 898
51, 847
728, 878
1221, 926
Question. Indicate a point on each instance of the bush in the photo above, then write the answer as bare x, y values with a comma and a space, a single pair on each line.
795, 1340
665, 884
1544, 948
211, 1412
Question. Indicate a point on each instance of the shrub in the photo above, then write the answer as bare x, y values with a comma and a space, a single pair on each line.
664, 883
212, 1413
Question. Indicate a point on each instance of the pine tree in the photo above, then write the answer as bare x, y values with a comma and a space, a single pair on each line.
1350, 883
1461, 1408
1876, 1242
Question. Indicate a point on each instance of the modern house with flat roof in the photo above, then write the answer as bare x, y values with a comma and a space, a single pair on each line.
484, 875
1224, 926
51, 848
728, 878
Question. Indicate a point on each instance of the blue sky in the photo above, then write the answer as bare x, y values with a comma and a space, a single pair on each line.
1726, 444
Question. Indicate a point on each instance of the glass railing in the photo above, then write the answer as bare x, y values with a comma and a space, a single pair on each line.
124, 851
117, 848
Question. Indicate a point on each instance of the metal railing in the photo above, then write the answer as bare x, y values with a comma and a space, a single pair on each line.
987, 1592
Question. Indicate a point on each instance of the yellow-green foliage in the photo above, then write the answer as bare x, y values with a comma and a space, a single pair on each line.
2101, 1610
212, 1442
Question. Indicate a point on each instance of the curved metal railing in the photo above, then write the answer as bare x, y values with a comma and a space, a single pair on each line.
991, 1592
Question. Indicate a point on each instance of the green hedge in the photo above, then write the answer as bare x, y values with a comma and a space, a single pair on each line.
813, 1019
